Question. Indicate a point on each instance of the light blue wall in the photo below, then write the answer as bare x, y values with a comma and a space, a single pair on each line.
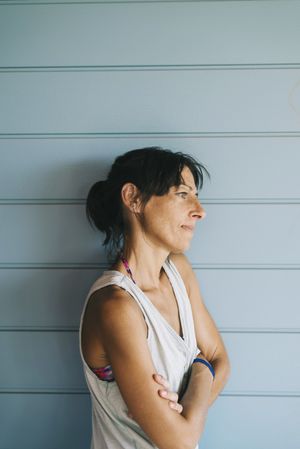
83, 82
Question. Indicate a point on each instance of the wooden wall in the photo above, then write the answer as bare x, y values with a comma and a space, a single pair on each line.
82, 82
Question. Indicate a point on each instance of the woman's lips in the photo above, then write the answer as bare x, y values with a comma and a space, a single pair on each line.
188, 228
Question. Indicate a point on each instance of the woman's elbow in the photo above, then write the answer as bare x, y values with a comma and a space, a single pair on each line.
192, 438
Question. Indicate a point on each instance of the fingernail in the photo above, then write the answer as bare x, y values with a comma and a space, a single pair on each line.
163, 392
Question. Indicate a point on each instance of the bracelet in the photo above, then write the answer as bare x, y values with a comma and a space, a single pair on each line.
207, 364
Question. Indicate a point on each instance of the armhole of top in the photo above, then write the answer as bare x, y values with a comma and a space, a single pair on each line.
84, 312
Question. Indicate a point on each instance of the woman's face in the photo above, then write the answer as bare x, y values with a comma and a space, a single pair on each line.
170, 220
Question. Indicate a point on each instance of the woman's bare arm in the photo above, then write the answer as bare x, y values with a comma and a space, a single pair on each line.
209, 339
196, 399
121, 324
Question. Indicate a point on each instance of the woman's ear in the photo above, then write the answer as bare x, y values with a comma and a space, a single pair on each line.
129, 195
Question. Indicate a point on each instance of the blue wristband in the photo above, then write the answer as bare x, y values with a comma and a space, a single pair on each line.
207, 364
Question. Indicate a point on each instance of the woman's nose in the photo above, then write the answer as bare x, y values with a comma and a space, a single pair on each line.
199, 211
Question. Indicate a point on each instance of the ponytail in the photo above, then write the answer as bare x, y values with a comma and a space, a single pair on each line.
103, 208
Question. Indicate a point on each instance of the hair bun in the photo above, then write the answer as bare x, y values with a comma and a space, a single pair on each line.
97, 203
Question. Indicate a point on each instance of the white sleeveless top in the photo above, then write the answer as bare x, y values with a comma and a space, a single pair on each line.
172, 357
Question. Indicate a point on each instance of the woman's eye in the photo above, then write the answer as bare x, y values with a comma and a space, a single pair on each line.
183, 194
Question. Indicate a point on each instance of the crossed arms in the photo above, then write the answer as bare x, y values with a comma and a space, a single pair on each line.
125, 343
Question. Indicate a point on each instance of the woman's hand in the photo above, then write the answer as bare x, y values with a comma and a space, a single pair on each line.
166, 394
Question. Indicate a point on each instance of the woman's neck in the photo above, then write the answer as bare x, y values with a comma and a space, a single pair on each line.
145, 265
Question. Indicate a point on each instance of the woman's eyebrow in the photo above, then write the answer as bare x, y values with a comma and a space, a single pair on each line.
186, 185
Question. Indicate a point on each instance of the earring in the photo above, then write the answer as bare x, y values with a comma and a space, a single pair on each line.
133, 207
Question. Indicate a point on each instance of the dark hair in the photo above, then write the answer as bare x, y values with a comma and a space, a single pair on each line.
153, 170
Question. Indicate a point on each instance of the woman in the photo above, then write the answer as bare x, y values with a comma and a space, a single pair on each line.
145, 315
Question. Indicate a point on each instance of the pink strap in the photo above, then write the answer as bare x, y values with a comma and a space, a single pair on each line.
126, 265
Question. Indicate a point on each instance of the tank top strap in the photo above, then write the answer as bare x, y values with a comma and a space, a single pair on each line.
183, 301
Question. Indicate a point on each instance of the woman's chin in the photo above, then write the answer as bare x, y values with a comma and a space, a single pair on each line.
184, 246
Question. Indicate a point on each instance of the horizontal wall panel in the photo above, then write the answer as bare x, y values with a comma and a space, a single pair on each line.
240, 299
44, 297
262, 363
252, 233
259, 362
257, 422
155, 101
150, 33
45, 421
247, 234
40, 360
51, 233
252, 423
66, 168
251, 299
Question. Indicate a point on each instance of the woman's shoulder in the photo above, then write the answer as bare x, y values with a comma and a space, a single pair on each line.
111, 297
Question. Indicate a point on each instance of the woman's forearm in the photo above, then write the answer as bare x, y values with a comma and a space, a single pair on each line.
201, 392
222, 371
195, 401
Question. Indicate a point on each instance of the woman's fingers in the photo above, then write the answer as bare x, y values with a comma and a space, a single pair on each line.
176, 406
166, 394
173, 399
161, 380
